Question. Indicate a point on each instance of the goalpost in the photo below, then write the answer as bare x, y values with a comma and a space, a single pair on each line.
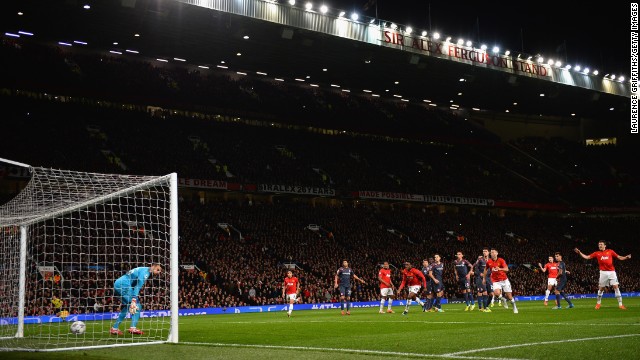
65, 239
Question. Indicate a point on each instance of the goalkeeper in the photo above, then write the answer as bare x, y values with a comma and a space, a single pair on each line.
127, 287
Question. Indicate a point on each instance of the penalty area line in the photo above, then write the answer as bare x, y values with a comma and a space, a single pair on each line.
540, 343
349, 351
427, 321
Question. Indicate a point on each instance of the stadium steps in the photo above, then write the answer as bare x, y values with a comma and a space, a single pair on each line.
540, 162
522, 177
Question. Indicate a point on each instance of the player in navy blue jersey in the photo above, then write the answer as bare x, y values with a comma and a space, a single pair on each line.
463, 271
343, 282
480, 283
488, 283
426, 267
562, 282
437, 287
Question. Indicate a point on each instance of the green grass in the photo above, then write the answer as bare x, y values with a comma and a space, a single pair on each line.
325, 334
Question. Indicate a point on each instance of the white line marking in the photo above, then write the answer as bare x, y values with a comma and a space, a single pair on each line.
426, 321
353, 351
541, 343
91, 347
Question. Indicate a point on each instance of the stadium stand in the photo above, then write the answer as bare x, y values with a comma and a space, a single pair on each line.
237, 130
263, 154
236, 271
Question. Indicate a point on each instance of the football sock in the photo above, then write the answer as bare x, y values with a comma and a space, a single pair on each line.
557, 299
438, 302
618, 296
348, 305
546, 295
290, 307
419, 301
471, 298
382, 304
342, 305
429, 303
486, 301
466, 299
600, 292
123, 314
564, 296
389, 302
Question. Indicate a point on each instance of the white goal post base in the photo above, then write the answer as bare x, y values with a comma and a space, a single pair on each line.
94, 347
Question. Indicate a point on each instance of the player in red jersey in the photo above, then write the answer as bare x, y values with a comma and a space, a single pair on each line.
386, 287
608, 275
290, 290
552, 280
499, 279
414, 279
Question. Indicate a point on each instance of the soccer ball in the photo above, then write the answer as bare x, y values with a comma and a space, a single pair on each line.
78, 328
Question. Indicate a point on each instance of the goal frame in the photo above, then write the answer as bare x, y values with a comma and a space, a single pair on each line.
172, 179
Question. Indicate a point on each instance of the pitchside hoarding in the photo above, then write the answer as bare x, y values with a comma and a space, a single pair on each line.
250, 309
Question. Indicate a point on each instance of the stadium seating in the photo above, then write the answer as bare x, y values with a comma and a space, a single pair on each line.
126, 140
111, 115
275, 233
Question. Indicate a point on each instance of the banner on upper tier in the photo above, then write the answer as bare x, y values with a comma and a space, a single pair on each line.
299, 190
249, 309
432, 199
465, 54
203, 184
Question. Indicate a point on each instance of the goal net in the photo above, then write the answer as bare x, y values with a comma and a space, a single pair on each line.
64, 241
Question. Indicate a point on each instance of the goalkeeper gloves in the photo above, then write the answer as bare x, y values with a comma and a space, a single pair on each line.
133, 308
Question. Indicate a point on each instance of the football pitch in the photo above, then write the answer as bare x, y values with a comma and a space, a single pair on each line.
537, 332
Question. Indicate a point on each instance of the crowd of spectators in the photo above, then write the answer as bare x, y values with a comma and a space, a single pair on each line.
245, 263
274, 234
